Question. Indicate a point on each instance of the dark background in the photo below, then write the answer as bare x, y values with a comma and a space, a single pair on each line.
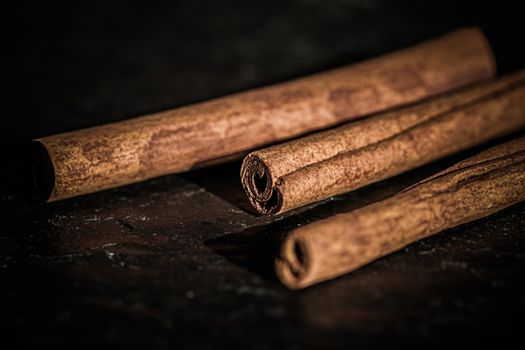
179, 261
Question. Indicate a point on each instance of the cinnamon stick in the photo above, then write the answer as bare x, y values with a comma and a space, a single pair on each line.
472, 189
116, 154
316, 167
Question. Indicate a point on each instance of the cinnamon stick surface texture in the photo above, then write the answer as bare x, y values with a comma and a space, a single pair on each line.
116, 154
316, 167
472, 189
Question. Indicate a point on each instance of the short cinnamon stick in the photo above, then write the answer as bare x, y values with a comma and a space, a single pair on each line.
116, 154
472, 189
316, 167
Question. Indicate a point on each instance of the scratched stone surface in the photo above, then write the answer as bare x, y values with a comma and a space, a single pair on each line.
180, 261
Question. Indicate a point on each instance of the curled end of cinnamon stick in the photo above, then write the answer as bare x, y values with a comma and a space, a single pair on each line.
258, 184
293, 268
42, 172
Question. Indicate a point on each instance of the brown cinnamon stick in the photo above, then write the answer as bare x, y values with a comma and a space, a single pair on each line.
116, 154
316, 167
472, 189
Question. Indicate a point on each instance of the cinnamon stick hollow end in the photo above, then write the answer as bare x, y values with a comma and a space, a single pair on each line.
294, 267
259, 184
42, 171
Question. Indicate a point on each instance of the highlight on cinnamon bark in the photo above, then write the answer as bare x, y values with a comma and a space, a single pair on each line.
472, 189
324, 164
121, 153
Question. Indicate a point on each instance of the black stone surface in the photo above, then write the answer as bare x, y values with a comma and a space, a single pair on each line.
179, 262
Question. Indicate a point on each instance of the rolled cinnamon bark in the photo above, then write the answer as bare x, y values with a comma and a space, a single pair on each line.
116, 154
472, 189
316, 167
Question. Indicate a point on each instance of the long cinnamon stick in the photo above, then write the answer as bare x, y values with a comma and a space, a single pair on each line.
472, 189
116, 154
316, 167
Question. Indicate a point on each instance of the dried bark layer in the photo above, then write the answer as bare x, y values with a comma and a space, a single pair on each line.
116, 154
316, 167
472, 189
